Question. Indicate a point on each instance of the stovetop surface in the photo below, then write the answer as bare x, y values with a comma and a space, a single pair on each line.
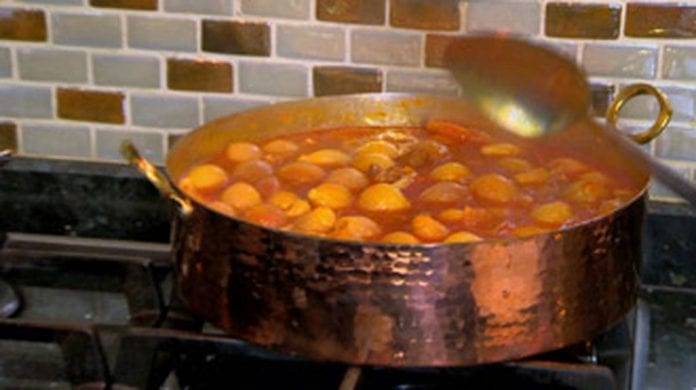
86, 246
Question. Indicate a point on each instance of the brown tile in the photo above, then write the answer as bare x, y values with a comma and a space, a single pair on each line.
577, 20
660, 20
236, 37
131, 4
199, 75
90, 105
425, 14
22, 25
601, 95
339, 80
8, 136
435, 45
352, 11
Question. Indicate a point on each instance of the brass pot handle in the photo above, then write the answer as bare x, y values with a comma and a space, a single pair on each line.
633, 90
161, 182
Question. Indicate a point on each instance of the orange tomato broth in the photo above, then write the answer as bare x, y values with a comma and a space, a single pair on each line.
574, 190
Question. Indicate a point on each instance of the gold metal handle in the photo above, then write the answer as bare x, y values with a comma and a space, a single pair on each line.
633, 90
161, 182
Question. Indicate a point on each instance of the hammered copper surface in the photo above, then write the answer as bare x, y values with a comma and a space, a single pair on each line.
410, 305
400, 305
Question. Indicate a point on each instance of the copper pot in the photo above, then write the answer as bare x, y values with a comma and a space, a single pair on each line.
389, 304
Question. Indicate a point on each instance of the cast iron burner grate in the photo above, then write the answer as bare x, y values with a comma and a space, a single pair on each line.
100, 314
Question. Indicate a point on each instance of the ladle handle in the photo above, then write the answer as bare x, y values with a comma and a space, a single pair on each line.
659, 170
161, 182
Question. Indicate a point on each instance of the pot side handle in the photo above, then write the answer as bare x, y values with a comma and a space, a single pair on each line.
631, 91
157, 178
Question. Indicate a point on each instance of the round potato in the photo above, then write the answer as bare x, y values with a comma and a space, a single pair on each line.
400, 237
299, 173
326, 158
241, 196
382, 197
242, 151
331, 195
428, 228
553, 213
352, 178
207, 177
451, 171
356, 228
494, 188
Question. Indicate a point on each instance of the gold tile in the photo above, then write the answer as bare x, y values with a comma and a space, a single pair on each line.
22, 25
660, 20
90, 105
339, 80
130, 4
575, 20
425, 14
8, 136
199, 75
250, 38
352, 11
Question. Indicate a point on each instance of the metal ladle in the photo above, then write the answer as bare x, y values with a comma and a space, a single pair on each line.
532, 91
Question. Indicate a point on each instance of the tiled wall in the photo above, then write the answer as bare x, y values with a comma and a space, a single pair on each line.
78, 76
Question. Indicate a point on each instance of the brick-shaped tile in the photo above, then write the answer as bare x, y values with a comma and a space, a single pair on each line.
578, 20
199, 75
90, 105
231, 37
677, 143
56, 140
620, 61
339, 80
215, 107
150, 144
25, 101
425, 14
678, 63
208, 7
670, 20
273, 79
94, 30
126, 71
386, 47
352, 11
127, 4
289, 9
38, 64
503, 16
155, 33
433, 83
160, 110
311, 42
22, 24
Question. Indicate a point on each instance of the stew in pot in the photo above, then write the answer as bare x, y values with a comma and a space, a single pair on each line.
436, 183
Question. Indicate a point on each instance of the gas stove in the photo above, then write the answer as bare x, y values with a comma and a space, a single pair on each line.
92, 305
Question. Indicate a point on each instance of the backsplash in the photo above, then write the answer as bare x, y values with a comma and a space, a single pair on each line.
79, 76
